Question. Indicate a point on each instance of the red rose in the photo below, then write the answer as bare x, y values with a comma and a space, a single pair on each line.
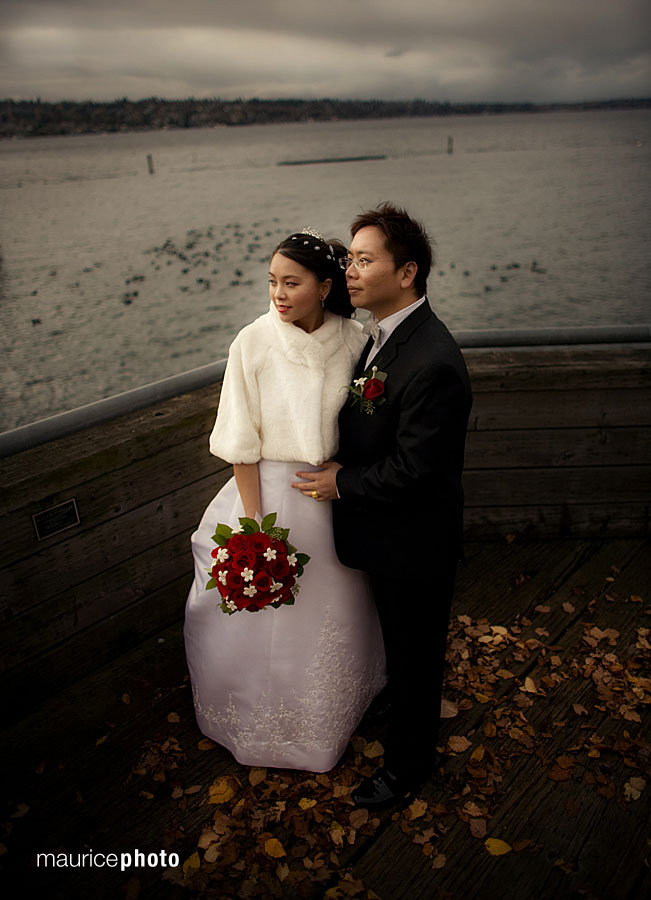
373, 389
262, 600
237, 542
244, 559
234, 580
260, 541
279, 568
280, 547
239, 599
262, 581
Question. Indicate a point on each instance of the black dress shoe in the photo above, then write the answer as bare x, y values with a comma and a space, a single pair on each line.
379, 792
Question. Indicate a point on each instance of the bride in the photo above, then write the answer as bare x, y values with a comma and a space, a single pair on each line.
286, 687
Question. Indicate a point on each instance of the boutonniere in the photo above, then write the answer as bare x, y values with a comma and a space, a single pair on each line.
368, 390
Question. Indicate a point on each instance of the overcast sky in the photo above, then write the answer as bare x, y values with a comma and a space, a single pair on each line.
458, 50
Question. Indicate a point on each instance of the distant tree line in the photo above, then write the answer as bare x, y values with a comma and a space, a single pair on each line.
27, 118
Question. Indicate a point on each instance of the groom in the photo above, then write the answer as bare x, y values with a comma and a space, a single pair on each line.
397, 482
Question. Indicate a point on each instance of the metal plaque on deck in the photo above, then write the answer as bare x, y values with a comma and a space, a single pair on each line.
56, 519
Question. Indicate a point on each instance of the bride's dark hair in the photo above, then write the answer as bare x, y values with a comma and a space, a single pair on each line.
312, 251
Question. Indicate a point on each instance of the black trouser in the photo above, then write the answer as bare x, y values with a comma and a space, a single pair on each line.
415, 614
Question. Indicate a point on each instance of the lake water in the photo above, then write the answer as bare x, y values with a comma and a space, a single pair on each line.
112, 277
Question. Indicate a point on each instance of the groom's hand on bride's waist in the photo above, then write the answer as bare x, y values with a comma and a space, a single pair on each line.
320, 485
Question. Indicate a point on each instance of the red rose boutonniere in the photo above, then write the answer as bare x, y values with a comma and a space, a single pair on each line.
368, 391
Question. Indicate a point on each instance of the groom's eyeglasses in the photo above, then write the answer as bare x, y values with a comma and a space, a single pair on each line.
345, 262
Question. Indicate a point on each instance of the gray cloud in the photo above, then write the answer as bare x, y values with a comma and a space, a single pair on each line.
454, 49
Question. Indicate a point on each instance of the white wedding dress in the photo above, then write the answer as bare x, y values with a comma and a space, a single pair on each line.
284, 687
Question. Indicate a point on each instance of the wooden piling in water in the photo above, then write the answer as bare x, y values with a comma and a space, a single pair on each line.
449, 143
150, 163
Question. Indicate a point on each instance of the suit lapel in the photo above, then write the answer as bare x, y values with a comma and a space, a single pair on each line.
401, 335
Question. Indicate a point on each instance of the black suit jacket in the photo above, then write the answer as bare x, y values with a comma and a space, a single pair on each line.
401, 500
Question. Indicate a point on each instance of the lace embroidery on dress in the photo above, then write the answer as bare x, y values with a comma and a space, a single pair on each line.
319, 714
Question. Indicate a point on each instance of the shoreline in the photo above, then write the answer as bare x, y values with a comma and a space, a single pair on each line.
33, 118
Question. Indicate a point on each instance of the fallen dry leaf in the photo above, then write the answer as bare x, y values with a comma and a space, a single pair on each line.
373, 750
439, 861
358, 818
221, 790
448, 709
257, 776
192, 862
417, 809
497, 847
173, 717
633, 788
274, 849
458, 743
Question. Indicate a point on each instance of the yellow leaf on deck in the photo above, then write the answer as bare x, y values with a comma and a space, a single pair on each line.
489, 729
193, 862
496, 847
126, 698
481, 698
478, 753
173, 717
101, 740
373, 750
274, 848
221, 791
306, 803
439, 861
529, 685
206, 744
635, 598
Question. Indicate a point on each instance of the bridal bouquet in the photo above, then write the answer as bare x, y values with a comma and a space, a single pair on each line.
255, 566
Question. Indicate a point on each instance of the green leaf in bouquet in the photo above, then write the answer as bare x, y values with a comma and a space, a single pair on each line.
289, 602
279, 534
222, 534
268, 522
211, 584
249, 526
224, 608
302, 559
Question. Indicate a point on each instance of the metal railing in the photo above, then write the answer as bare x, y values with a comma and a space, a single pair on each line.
55, 427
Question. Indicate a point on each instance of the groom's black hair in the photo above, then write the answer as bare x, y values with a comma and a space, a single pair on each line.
322, 258
405, 239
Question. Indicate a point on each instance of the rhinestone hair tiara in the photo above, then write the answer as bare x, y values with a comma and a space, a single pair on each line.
313, 233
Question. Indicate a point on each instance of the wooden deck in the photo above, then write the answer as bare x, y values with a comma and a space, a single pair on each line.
549, 664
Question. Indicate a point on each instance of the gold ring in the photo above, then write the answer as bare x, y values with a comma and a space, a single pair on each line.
315, 494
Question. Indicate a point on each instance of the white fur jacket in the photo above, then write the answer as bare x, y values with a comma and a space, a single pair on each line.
283, 389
